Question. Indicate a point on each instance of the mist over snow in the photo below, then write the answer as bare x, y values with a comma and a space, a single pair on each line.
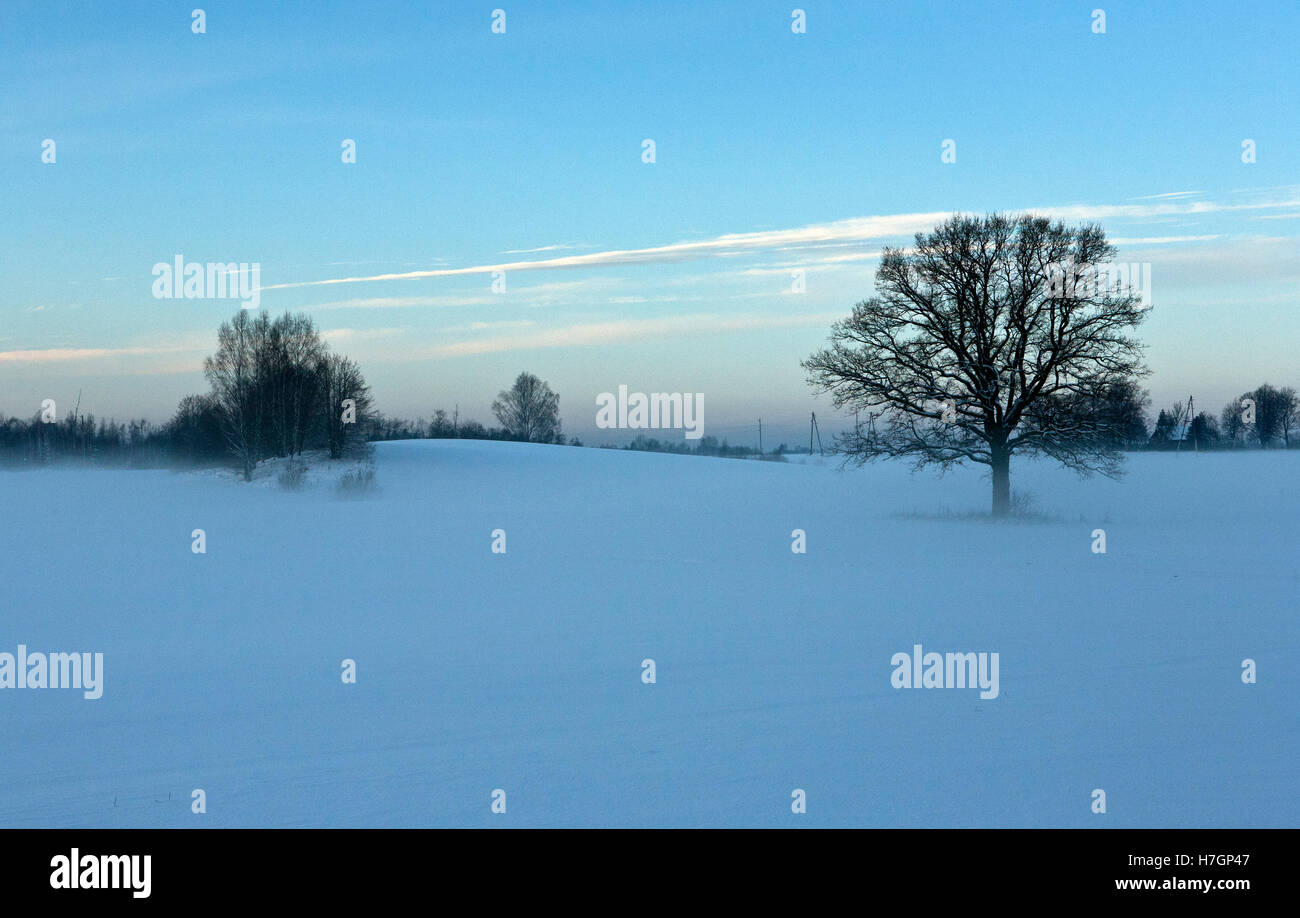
523, 671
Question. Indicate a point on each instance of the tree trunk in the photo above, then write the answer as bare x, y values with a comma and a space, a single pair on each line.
1001, 480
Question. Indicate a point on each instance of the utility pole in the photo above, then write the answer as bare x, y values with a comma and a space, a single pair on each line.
760, 437
1187, 420
76, 426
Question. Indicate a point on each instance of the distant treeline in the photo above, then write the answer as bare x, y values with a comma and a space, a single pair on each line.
137, 444
453, 427
1263, 418
193, 437
528, 412
277, 391
704, 446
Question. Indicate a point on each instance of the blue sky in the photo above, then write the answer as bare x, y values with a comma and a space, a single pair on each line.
774, 151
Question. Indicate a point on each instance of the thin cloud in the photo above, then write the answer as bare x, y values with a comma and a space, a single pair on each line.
1150, 211
731, 244
635, 299
560, 247
513, 295
359, 334
1168, 195
67, 354
594, 333
1163, 240
835, 233
819, 263
401, 302
484, 326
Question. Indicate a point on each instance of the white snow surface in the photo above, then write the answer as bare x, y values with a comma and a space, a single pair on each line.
522, 671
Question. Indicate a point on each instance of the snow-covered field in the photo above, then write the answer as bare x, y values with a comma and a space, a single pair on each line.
523, 671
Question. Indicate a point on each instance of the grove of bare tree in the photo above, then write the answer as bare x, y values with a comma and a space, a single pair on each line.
277, 390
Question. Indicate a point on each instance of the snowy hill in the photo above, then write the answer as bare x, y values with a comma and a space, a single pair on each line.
523, 671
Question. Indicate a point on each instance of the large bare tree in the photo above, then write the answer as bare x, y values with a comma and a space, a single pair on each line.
979, 344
